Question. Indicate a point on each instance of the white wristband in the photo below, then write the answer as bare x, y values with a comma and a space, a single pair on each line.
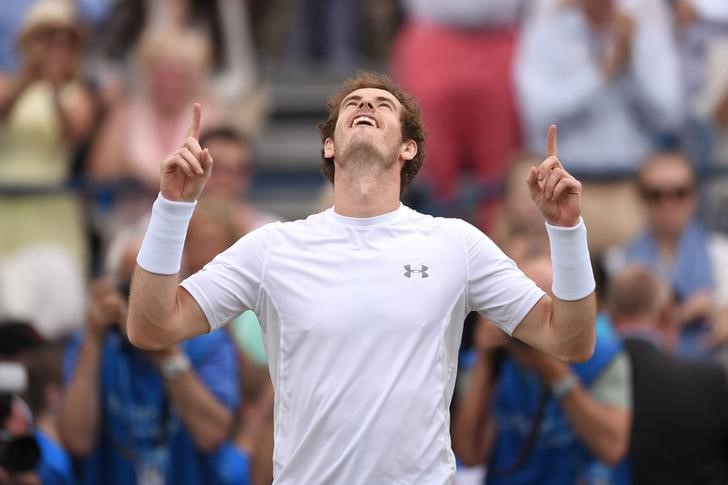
161, 251
573, 277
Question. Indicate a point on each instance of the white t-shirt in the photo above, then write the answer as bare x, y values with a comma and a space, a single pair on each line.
362, 320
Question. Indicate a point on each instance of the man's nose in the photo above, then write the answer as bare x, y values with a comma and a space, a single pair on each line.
366, 103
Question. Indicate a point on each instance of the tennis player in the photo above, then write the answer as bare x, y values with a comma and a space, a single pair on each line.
362, 305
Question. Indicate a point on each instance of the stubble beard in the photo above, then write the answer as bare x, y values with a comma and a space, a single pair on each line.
363, 160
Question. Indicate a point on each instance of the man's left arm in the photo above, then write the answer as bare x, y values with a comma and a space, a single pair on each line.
563, 326
204, 414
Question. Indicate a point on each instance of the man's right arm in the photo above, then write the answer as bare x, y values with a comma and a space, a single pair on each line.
160, 312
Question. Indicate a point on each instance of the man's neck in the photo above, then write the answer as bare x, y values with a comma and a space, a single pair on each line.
366, 194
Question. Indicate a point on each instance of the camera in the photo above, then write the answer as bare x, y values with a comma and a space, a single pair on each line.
17, 453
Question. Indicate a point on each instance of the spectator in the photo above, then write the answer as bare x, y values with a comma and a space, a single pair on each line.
549, 422
689, 260
45, 112
456, 58
11, 18
45, 388
680, 424
702, 34
712, 108
173, 64
29, 454
606, 71
699, 24
232, 178
225, 23
19, 452
148, 417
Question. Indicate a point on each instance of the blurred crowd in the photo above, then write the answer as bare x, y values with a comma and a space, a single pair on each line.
95, 93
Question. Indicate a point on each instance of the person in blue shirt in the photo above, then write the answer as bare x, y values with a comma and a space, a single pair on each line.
688, 258
151, 418
541, 421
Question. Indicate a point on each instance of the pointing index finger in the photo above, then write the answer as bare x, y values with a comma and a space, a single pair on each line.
552, 148
194, 130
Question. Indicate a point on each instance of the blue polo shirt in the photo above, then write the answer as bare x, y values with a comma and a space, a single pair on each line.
142, 439
55, 467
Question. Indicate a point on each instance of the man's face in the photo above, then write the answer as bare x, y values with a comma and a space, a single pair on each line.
369, 125
230, 177
668, 191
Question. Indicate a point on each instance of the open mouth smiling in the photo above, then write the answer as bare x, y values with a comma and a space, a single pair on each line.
363, 120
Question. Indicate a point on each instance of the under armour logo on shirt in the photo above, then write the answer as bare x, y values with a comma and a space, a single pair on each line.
409, 270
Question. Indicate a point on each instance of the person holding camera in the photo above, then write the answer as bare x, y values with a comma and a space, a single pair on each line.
148, 417
536, 420
30, 451
20, 455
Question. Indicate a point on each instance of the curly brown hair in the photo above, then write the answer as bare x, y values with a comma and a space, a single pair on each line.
410, 119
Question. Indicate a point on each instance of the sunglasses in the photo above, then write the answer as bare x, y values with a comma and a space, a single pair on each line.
658, 194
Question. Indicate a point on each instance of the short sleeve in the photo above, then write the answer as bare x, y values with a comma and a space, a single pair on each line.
496, 287
231, 283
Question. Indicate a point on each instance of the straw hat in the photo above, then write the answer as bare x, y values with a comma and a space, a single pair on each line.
44, 14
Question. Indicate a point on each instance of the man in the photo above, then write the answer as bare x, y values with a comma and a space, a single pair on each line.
688, 259
525, 417
134, 417
362, 305
680, 424
604, 70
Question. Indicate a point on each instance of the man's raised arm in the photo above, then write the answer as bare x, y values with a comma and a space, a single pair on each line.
162, 313
563, 326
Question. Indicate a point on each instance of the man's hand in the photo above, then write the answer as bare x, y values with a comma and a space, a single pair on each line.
185, 172
556, 193
106, 308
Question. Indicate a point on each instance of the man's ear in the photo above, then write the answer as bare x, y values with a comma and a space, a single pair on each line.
329, 148
408, 150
